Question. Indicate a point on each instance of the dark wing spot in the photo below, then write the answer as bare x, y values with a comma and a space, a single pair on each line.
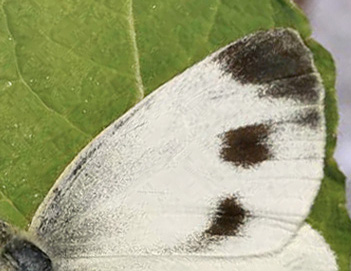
27, 256
266, 56
246, 146
228, 218
304, 88
310, 118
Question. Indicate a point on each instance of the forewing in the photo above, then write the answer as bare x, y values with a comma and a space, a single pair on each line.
223, 160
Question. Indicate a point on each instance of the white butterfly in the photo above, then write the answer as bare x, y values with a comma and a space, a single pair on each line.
216, 170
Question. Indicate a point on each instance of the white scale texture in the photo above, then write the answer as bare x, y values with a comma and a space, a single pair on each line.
307, 252
150, 182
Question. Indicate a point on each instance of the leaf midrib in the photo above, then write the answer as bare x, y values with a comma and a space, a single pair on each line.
137, 72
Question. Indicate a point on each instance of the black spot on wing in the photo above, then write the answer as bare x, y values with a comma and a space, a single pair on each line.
246, 146
266, 56
228, 218
304, 88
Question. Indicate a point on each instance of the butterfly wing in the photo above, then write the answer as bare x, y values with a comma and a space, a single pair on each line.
306, 251
224, 160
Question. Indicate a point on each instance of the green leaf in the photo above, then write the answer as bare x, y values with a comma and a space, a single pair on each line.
329, 214
69, 68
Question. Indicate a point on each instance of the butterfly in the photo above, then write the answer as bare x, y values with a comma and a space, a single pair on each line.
216, 170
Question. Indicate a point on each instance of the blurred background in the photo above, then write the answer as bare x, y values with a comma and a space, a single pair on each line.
331, 24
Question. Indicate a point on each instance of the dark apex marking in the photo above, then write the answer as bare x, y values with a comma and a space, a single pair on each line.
309, 117
304, 88
246, 146
266, 56
228, 218
25, 256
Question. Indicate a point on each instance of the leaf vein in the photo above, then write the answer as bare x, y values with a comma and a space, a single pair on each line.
215, 15
7, 199
70, 50
21, 78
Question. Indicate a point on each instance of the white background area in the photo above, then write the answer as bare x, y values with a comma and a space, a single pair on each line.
331, 24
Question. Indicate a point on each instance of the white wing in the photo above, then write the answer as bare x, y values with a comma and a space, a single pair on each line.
223, 160
306, 252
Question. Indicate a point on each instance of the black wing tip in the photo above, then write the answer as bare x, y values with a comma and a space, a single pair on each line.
265, 56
